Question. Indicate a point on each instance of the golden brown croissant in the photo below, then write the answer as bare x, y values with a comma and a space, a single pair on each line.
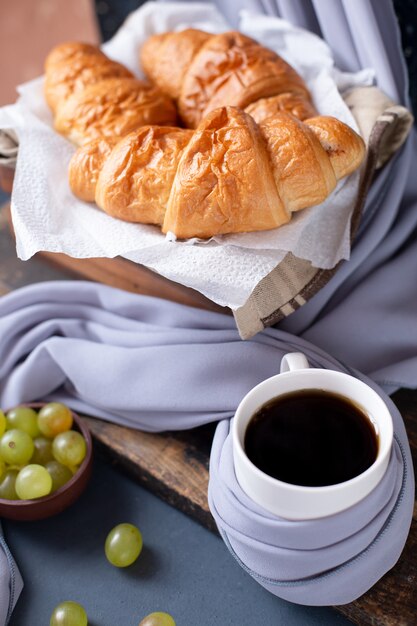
92, 96
70, 67
204, 72
86, 165
137, 177
229, 175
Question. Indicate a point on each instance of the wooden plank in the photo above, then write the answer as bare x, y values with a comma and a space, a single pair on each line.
175, 465
172, 465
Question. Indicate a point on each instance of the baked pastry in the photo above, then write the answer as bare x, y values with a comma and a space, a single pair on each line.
173, 53
296, 104
230, 175
147, 161
92, 96
237, 172
112, 108
86, 165
203, 72
70, 67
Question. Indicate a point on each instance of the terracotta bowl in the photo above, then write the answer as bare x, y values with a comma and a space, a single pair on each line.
30, 510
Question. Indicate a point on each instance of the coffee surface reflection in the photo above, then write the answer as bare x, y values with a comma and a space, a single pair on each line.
311, 438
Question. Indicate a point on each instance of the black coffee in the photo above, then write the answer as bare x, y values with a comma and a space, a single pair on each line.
311, 438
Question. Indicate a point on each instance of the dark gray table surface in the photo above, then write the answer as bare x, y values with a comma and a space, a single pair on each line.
183, 569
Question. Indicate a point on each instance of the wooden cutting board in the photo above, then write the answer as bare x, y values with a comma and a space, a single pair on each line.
175, 465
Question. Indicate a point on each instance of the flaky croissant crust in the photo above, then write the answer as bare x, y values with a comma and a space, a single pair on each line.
92, 96
258, 153
229, 175
203, 72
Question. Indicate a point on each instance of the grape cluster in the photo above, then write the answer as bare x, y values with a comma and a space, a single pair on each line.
39, 452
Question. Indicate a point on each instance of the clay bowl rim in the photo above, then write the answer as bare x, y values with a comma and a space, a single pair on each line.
23, 504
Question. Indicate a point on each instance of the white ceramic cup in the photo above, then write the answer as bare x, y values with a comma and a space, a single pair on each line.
296, 502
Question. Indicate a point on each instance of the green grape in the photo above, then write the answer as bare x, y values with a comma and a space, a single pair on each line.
69, 614
59, 473
54, 418
69, 448
123, 545
16, 447
43, 451
7, 485
3, 423
2, 468
158, 619
33, 481
23, 418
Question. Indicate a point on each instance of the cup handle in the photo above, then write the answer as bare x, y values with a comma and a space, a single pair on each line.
293, 361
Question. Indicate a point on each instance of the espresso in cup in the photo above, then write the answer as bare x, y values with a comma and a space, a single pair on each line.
310, 442
312, 438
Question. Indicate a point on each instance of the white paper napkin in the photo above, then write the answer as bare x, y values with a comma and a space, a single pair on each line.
46, 216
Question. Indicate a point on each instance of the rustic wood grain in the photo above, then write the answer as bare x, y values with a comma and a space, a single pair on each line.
172, 465
175, 465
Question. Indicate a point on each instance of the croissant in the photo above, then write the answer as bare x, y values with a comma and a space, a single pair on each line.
203, 72
229, 175
92, 96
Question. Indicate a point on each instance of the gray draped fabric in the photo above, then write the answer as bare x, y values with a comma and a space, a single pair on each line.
158, 365
10, 582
